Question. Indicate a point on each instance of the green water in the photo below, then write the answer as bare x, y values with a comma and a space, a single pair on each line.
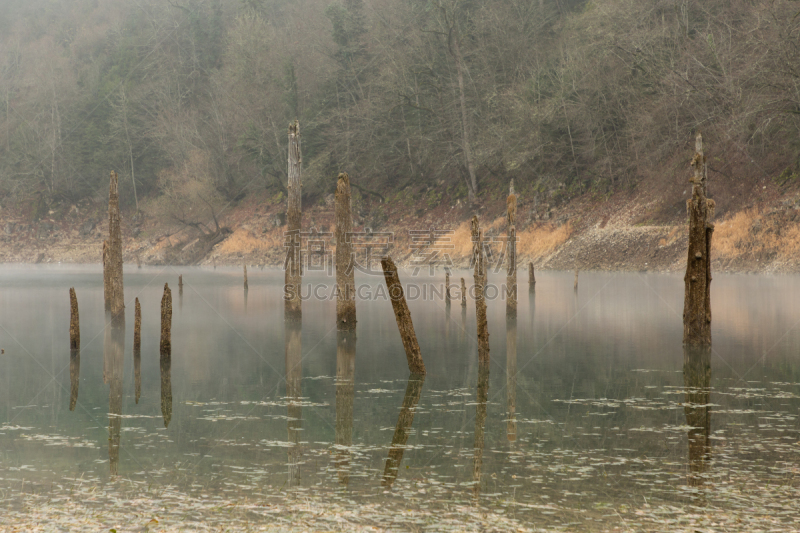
591, 423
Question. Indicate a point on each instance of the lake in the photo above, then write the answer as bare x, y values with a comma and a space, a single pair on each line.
586, 419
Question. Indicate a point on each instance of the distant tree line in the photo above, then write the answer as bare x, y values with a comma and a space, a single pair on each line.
189, 100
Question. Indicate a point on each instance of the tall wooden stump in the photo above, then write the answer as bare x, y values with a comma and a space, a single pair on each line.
463, 293
403, 316
401, 430
137, 349
697, 299
244, 268
480, 426
292, 307
480, 291
531, 278
511, 268
345, 386
447, 288
294, 377
106, 279
74, 322
165, 361
166, 321
345, 275
113, 263
575, 286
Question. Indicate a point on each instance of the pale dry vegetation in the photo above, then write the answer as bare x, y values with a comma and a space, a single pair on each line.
757, 236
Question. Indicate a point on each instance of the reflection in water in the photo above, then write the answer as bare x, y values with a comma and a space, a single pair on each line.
74, 377
294, 375
401, 431
511, 378
245, 299
114, 356
447, 320
463, 333
480, 426
137, 371
166, 387
697, 380
345, 384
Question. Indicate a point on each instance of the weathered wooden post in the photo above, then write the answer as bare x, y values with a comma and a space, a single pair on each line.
345, 386
511, 269
401, 430
137, 349
166, 322
293, 309
106, 279
113, 265
74, 322
403, 316
463, 293
480, 291
345, 275
576, 280
138, 261
180, 283
447, 288
480, 426
697, 299
244, 268
531, 278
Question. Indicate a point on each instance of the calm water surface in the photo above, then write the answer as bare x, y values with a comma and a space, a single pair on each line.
585, 420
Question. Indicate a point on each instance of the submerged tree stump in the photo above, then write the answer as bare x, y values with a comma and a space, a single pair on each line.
463, 293
697, 299
74, 322
292, 306
137, 325
244, 267
447, 288
106, 279
480, 291
345, 273
113, 265
403, 316
511, 270
531, 278
137, 350
166, 321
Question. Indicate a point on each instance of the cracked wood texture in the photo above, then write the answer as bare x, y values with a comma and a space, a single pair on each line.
345, 276
480, 291
403, 316
697, 298
113, 263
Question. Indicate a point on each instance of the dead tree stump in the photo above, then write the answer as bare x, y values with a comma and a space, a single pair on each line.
447, 288
137, 325
114, 256
74, 322
531, 278
244, 267
166, 321
697, 299
345, 274
575, 286
403, 316
463, 293
106, 279
74, 377
480, 291
292, 307
511, 270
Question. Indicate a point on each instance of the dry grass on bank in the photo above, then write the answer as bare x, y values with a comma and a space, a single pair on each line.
243, 241
752, 234
539, 241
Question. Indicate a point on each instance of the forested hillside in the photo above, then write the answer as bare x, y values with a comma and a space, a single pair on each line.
189, 100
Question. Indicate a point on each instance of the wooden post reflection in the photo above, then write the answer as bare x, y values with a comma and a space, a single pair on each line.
137, 349
294, 375
480, 426
74, 377
115, 357
511, 378
697, 380
165, 359
345, 385
401, 431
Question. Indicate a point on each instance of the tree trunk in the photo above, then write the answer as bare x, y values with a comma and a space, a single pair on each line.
697, 299
472, 185
166, 322
165, 364
463, 293
106, 279
345, 273
114, 263
447, 288
74, 322
480, 292
511, 271
244, 267
137, 350
74, 377
531, 278
293, 309
403, 316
